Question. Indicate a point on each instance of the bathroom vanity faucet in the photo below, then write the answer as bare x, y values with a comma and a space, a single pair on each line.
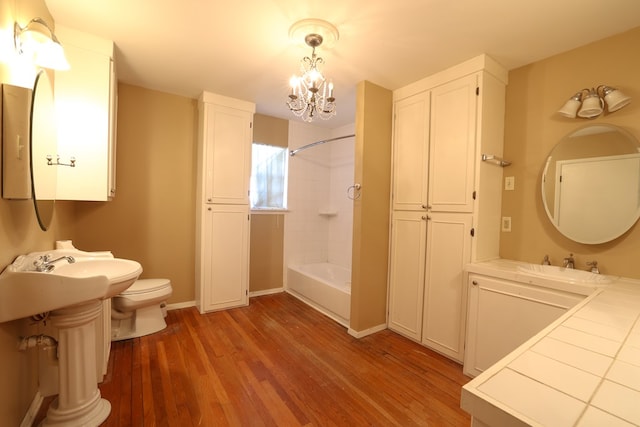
44, 263
594, 267
569, 262
546, 261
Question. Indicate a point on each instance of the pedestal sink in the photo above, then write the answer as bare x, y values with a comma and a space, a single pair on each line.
73, 293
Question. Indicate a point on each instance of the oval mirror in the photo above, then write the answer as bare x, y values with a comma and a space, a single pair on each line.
43, 143
591, 184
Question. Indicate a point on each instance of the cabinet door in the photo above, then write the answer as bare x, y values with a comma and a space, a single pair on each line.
411, 152
503, 315
452, 145
448, 250
84, 97
225, 257
227, 151
406, 278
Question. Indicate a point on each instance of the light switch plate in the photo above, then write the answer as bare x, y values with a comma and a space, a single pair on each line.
506, 223
509, 183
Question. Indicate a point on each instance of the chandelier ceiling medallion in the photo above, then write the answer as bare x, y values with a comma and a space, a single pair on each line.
311, 94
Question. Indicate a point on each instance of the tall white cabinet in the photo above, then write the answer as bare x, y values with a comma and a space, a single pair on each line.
222, 213
86, 103
445, 203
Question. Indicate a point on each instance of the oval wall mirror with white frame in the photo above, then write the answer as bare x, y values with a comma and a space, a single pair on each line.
591, 183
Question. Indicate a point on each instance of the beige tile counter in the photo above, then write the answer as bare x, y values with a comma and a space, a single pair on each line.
582, 370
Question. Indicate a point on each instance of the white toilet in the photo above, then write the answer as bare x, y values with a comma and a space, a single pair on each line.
140, 310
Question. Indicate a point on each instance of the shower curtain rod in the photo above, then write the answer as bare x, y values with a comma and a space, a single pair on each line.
313, 144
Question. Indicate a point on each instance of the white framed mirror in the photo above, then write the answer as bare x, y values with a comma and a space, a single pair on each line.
591, 184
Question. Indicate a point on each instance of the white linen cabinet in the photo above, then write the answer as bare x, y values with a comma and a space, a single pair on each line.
222, 213
445, 202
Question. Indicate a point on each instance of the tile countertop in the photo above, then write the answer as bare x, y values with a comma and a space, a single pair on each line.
582, 370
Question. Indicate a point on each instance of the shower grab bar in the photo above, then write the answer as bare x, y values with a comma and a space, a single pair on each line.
313, 144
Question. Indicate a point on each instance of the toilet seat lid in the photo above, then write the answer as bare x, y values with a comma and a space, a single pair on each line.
146, 285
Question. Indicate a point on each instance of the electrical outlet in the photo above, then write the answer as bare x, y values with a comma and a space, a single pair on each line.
509, 183
506, 223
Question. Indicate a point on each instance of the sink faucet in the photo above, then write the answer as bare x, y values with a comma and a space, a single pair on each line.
44, 263
546, 261
594, 267
569, 262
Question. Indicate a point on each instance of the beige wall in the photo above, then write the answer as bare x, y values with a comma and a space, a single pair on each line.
151, 219
267, 229
534, 94
371, 210
20, 233
266, 252
270, 130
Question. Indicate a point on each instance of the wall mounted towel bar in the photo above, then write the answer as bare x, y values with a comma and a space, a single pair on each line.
494, 159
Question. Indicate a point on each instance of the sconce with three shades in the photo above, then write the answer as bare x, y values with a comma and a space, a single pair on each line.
590, 103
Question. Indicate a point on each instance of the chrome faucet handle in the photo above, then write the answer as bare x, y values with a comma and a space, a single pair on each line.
569, 262
546, 261
40, 261
594, 266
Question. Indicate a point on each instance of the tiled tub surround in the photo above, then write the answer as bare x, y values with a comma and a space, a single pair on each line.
582, 370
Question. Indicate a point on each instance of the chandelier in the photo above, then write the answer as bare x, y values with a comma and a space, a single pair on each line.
311, 95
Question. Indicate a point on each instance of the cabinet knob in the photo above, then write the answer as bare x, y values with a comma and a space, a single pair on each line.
424, 217
474, 283
208, 209
209, 200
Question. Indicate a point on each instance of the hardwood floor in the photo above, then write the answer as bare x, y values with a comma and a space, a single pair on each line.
277, 362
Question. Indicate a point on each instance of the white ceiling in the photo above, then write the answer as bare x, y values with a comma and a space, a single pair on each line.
241, 48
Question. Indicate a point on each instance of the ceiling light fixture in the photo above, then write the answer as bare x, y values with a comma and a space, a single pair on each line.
37, 40
592, 104
311, 94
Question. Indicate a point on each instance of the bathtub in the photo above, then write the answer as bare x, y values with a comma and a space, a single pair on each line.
326, 287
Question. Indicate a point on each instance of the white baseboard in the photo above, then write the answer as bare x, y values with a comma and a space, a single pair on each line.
32, 412
366, 332
266, 292
178, 305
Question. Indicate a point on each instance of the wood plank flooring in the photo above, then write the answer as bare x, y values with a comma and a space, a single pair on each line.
277, 362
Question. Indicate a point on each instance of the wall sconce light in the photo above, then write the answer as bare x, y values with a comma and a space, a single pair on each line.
592, 104
37, 40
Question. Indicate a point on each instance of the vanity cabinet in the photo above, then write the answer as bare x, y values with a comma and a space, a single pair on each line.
222, 213
504, 314
441, 125
86, 101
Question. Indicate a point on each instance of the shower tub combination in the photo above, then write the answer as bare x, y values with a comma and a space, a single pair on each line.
326, 287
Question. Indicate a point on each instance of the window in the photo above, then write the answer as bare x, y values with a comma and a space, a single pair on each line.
268, 177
